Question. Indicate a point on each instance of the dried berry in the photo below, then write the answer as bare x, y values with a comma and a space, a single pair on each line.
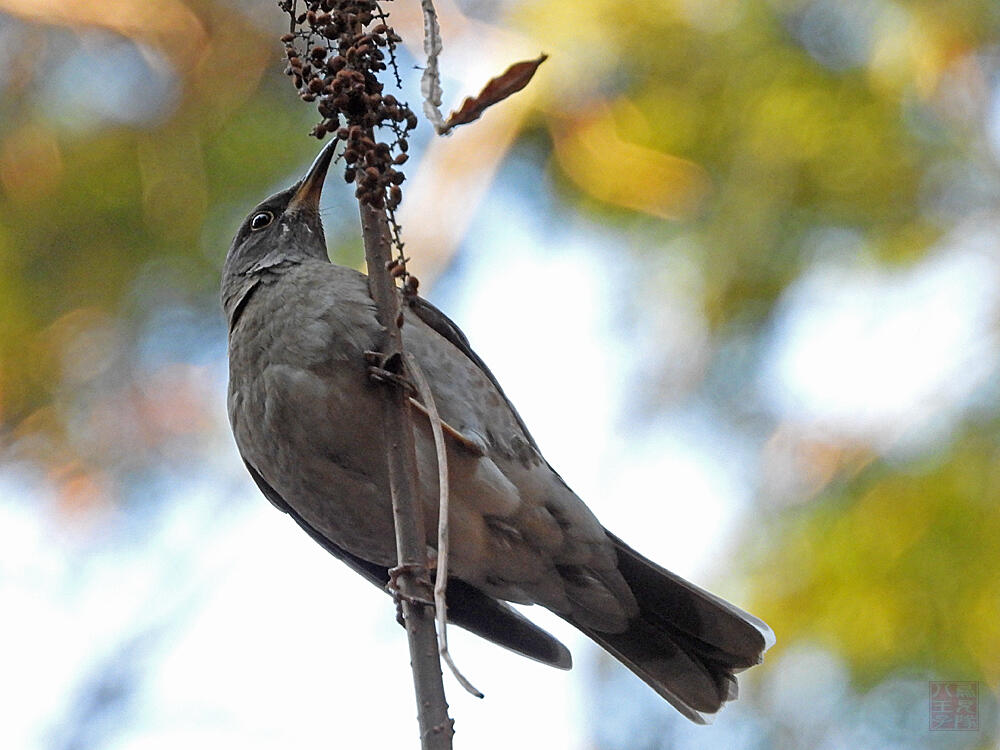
335, 51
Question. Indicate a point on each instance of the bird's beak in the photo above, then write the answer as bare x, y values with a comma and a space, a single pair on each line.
311, 187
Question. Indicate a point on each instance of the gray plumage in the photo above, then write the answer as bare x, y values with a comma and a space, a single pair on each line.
305, 416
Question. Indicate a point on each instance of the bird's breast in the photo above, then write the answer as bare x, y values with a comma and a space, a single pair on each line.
305, 415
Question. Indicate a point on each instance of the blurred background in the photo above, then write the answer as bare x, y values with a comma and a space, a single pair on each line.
736, 261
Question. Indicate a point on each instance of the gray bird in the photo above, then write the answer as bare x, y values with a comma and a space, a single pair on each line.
306, 418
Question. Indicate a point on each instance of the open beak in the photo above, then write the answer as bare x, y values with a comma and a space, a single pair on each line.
311, 187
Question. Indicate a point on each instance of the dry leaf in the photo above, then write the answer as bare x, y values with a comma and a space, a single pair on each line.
515, 78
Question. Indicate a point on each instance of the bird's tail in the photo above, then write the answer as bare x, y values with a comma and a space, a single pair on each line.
686, 643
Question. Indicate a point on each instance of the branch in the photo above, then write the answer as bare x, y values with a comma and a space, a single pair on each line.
412, 579
335, 52
441, 579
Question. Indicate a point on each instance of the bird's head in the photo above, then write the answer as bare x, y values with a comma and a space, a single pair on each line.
284, 228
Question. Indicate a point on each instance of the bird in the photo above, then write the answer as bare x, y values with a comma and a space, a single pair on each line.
305, 416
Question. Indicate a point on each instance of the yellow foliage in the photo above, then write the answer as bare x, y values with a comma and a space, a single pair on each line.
625, 174
896, 568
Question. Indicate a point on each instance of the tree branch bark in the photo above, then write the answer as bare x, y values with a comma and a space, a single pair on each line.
412, 578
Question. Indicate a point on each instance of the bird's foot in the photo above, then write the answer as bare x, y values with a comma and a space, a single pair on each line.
399, 597
383, 369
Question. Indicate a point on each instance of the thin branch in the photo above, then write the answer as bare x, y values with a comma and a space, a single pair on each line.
430, 81
320, 43
512, 80
441, 580
454, 434
411, 576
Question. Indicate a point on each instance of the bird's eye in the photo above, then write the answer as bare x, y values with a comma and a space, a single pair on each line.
261, 220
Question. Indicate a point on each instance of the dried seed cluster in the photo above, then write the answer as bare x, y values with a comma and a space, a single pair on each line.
335, 50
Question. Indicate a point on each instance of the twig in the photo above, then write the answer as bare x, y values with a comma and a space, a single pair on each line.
458, 437
430, 81
441, 580
412, 577
512, 80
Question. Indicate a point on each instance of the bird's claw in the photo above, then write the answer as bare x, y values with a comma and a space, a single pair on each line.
385, 376
383, 369
398, 596
374, 358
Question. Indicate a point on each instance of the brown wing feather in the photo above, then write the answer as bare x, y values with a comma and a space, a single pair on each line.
443, 325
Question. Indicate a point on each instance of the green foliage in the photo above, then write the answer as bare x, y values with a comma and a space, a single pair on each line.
84, 210
788, 144
895, 567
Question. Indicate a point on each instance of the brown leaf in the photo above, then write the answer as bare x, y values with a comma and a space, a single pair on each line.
512, 80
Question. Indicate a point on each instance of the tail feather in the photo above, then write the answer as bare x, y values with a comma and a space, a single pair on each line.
691, 609
690, 685
687, 644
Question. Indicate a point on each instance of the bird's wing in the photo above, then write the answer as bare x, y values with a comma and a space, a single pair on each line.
519, 532
447, 328
468, 607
